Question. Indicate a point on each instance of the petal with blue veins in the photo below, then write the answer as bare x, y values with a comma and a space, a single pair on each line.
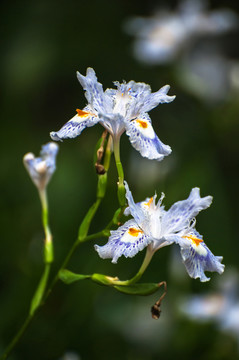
84, 118
94, 92
127, 240
158, 97
179, 216
197, 257
143, 138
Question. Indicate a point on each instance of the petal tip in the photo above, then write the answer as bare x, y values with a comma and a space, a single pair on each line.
54, 136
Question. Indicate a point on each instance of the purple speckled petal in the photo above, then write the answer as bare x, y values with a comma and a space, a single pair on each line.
143, 138
127, 240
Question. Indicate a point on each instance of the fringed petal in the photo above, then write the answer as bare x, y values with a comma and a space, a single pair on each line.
197, 257
134, 209
76, 125
127, 240
159, 97
179, 216
94, 92
143, 138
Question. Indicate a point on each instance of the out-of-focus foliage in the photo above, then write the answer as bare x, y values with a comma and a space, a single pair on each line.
43, 44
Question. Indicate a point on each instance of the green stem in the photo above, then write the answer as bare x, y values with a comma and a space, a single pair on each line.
147, 259
48, 244
39, 297
17, 337
103, 233
118, 162
107, 156
121, 188
35, 304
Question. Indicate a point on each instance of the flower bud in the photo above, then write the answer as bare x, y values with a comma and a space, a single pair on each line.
42, 168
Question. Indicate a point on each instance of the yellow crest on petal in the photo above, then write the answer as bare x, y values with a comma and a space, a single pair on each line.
82, 113
134, 232
142, 123
194, 239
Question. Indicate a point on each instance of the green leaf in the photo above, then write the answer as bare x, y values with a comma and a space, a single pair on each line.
84, 227
69, 277
138, 289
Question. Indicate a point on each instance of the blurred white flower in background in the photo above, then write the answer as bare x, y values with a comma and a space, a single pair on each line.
160, 38
220, 306
209, 75
185, 38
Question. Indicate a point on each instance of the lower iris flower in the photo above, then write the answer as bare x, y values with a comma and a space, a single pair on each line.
154, 227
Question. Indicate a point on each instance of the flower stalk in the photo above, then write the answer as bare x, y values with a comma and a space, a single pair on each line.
121, 188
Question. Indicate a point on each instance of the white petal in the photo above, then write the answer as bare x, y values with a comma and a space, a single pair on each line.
76, 125
143, 138
197, 257
127, 240
159, 97
179, 216
94, 91
134, 209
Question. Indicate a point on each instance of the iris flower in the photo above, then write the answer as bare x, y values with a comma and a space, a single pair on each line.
122, 109
154, 227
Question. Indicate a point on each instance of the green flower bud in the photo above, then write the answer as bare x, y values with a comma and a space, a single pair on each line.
101, 186
69, 277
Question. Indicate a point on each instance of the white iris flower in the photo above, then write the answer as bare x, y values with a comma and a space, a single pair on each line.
118, 110
155, 227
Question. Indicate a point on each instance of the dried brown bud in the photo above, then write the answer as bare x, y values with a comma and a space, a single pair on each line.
100, 170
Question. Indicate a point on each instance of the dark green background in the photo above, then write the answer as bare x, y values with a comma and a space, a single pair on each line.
43, 44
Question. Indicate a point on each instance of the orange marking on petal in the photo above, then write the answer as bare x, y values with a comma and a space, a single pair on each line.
134, 232
142, 123
194, 239
149, 202
82, 113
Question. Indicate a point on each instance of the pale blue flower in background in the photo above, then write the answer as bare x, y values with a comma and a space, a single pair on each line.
190, 39
219, 306
118, 110
164, 36
42, 168
155, 227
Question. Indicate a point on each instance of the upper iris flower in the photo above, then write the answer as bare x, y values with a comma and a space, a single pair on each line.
155, 227
118, 110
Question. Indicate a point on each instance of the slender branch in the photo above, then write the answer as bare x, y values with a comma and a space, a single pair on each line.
118, 161
41, 294
133, 280
48, 244
17, 337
